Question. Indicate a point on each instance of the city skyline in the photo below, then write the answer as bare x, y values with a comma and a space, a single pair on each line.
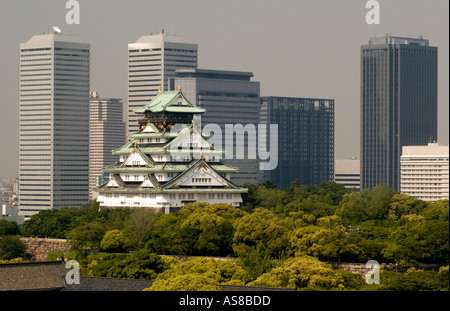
268, 39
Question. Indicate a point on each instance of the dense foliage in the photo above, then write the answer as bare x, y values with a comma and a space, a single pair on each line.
277, 236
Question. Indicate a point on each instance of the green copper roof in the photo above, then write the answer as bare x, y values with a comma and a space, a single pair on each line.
168, 101
168, 167
194, 165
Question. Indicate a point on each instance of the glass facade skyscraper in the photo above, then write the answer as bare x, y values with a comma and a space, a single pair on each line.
398, 104
229, 97
305, 139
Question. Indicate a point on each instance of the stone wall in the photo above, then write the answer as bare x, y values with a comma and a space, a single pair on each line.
38, 247
359, 268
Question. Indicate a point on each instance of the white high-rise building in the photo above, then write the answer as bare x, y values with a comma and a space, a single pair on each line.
54, 123
152, 61
424, 172
106, 132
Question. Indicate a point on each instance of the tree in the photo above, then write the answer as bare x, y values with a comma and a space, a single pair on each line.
304, 273
86, 237
401, 204
261, 227
187, 282
165, 236
138, 226
414, 280
141, 264
114, 241
210, 227
220, 272
11, 247
256, 261
8, 227
366, 205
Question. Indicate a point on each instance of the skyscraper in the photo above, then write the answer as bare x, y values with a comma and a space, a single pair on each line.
152, 61
398, 104
229, 97
106, 132
305, 139
54, 123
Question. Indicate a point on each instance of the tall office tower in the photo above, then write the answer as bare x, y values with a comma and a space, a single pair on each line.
424, 172
152, 61
54, 123
106, 132
398, 104
305, 139
229, 97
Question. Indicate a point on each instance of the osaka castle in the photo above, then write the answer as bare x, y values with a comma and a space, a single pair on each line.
168, 163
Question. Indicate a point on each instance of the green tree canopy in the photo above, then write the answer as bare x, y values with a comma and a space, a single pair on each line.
114, 241
304, 273
221, 272
11, 247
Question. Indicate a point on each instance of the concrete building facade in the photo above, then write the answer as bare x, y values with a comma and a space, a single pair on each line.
424, 172
54, 123
152, 61
347, 173
106, 132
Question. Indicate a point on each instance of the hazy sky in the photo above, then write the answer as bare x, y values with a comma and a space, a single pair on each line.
298, 48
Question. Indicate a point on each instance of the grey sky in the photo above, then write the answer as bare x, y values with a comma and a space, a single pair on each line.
299, 48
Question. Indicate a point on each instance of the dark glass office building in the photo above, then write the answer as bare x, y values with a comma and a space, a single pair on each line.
305, 139
230, 98
398, 104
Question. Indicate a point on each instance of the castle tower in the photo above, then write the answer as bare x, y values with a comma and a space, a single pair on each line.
168, 163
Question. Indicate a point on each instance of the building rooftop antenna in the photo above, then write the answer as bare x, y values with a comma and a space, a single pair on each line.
56, 30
